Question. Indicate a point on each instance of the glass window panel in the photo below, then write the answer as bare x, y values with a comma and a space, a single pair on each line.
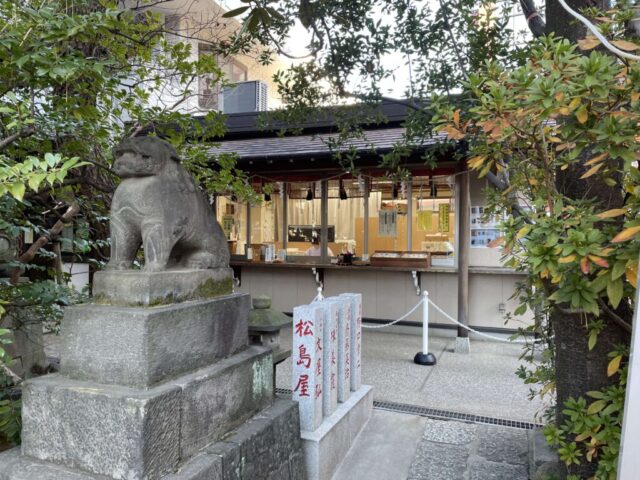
346, 217
433, 218
387, 217
232, 217
304, 219
266, 224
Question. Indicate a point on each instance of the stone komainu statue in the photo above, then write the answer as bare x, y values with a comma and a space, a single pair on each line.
159, 206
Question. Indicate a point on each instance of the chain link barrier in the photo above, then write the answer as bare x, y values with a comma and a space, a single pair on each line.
320, 297
421, 302
498, 339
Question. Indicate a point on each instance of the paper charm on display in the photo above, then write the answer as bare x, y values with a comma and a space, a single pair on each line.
443, 217
425, 218
387, 223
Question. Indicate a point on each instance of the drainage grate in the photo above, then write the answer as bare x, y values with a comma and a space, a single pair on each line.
441, 414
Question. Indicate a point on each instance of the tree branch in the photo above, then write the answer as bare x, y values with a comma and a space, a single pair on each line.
25, 132
43, 240
534, 21
10, 373
614, 316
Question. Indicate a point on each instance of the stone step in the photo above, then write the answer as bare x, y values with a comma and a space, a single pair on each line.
127, 433
266, 447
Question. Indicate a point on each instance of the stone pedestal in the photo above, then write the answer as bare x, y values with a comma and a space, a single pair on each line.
326, 447
328, 334
139, 347
266, 447
140, 288
156, 392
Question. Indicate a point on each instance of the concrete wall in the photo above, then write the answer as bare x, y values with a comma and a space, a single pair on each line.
388, 295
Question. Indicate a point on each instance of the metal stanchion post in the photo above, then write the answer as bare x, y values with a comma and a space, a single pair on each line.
424, 357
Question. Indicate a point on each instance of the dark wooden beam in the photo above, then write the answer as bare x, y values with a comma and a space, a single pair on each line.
463, 253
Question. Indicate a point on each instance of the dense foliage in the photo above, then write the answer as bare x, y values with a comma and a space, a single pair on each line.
77, 78
580, 254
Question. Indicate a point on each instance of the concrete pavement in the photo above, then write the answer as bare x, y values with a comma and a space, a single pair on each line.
480, 383
401, 446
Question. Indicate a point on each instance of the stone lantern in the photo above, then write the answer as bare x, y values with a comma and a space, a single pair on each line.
265, 325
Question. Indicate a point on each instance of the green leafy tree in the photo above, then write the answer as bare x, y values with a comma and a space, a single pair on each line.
72, 73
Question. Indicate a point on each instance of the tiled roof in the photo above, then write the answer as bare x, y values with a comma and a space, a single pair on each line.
382, 140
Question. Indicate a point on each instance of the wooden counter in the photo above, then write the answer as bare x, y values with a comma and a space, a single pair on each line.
293, 265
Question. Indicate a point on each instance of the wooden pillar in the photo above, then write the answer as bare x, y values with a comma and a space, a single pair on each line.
324, 221
464, 230
409, 193
248, 226
629, 460
285, 216
367, 189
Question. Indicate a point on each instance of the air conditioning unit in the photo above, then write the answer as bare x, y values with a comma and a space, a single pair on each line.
244, 97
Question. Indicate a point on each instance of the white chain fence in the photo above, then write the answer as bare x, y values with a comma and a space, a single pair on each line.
498, 339
319, 297
421, 302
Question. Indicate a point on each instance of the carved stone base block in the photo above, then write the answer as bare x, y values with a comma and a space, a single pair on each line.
140, 288
326, 447
267, 447
140, 347
462, 345
131, 434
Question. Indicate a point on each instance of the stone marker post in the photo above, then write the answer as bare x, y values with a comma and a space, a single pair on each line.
307, 364
344, 346
330, 357
356, 339
346, 404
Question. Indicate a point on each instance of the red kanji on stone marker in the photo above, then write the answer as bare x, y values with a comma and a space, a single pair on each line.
303, 328
304, 358
333, 381
303, 385
318, 346
318, 390
319, 367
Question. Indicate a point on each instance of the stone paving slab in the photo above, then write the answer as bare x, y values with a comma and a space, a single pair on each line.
484, 470
507, 445
439, 462
450, 450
